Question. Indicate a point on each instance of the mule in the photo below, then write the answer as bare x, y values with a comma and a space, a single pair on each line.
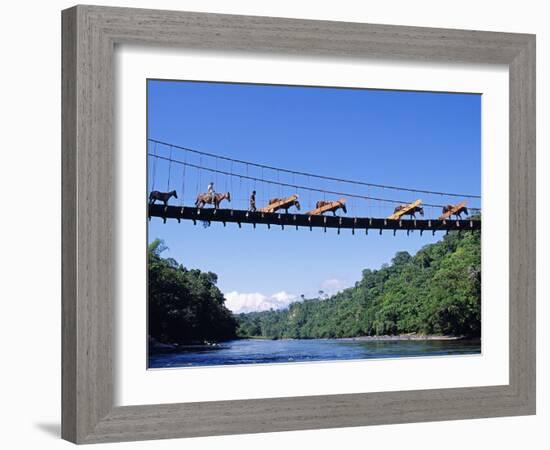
161, 196
285, 206
339, 205
411, 212
457, 213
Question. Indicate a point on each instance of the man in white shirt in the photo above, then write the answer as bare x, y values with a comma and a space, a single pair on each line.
210, 191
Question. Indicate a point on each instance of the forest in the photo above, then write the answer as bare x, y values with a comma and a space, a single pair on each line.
437, 291
185, 306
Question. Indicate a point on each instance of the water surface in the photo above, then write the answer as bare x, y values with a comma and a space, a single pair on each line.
258, 351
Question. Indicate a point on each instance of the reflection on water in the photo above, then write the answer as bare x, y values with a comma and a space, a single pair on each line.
256, 351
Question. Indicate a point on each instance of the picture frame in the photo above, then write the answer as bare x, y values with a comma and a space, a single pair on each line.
90, 34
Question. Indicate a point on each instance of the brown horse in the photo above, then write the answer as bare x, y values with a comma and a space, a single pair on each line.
457, 213
285, 206
206, 198
411, 212
338, 205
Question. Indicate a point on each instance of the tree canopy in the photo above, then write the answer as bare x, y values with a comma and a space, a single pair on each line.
184, 305
436, 291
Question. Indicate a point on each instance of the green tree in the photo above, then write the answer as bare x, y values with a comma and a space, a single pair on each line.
184, 305
436, 291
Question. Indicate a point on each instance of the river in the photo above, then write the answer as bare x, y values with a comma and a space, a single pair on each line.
258, 351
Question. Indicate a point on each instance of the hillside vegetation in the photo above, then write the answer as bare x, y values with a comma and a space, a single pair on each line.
437, 291
185, 306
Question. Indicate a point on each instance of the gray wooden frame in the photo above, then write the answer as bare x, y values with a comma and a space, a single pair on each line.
89, 37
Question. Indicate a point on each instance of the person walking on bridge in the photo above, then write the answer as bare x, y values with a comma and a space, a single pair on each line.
253, 201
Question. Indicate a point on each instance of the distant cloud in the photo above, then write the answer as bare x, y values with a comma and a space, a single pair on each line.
240, 302
333, 285
243, 302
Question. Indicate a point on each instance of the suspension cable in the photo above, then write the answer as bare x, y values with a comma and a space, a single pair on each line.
169, 170
183, 181
154, 167
305, 188
324, 177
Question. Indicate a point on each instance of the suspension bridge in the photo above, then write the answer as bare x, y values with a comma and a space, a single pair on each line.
248, 192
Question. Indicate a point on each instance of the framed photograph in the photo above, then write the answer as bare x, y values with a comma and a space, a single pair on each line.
277, 224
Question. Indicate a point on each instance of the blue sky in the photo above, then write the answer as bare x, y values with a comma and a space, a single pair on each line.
421, 140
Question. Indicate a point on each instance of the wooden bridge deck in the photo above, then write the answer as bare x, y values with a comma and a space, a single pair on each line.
310, 221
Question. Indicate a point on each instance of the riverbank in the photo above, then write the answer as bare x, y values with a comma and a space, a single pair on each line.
398, 337
407, 337
160, 347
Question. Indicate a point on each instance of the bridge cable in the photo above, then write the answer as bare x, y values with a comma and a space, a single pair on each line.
305, 188
231, 177
198, 180
216, 176
169, 170
154, 167
183, 181
247, 188
325, 177
309, 195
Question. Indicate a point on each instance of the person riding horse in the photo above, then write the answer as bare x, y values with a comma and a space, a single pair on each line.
205, 198
211, 191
